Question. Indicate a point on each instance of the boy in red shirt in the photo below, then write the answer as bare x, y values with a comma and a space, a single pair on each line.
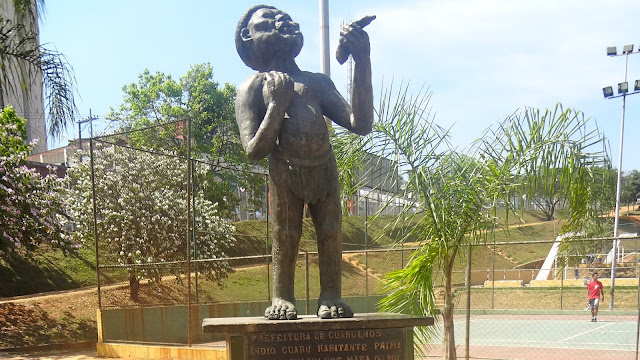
594, 295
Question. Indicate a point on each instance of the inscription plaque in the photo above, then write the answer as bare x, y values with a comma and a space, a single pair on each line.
353, 344
366, 336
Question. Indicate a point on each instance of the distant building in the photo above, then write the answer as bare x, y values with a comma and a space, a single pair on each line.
25, 97
379, 188
60, 157
378, 173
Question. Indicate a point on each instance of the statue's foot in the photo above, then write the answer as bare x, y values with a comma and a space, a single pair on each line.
334, 310
281, 310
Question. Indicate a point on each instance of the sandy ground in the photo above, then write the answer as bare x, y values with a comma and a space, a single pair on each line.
55, 355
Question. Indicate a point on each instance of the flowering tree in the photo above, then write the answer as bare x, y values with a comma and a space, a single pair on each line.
142, 213
31, 208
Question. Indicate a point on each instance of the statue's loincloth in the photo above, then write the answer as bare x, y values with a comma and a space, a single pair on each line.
310, 179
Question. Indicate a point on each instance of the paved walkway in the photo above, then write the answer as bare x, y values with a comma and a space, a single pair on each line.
55, 355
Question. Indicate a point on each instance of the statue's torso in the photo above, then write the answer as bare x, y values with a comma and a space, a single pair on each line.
304, 133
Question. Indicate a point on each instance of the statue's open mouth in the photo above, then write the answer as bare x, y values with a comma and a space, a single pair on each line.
286, 28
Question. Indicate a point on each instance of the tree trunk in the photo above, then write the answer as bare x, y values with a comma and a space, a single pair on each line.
134, 286
2, 104
134, 283
552, 210
448, 337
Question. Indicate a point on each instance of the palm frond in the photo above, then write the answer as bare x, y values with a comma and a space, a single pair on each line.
23, 63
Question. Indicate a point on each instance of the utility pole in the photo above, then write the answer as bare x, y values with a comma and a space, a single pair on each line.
324, 44
87, 120
324, 37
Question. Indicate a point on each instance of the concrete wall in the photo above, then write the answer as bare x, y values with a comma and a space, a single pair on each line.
26, 98
526, 275
503, 283
478, 278
558, 283
168, 324
606, 282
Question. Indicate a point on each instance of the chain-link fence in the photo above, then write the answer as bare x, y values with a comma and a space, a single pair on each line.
531, 302
171, 230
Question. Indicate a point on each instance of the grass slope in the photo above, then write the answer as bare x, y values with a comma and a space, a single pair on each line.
52, 271
48, 271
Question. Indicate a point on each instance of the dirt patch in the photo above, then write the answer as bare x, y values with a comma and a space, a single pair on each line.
24, 325
67, 317
351, 259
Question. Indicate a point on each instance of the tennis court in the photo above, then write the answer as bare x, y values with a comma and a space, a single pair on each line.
546, 337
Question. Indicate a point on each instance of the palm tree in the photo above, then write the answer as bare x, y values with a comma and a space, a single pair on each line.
454, 195
25, 64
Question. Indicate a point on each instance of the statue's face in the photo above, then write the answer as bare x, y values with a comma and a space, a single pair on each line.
273, 30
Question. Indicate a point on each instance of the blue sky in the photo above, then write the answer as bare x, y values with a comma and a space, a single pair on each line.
481, 59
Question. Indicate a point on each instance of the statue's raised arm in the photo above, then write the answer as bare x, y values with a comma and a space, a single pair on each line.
358, 117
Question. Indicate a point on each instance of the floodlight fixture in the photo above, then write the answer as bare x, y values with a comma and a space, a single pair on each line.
627, 49
623, 87
607, 91
612, 51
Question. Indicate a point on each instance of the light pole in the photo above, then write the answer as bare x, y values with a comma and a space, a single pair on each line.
623, 91
324, 37
324, 44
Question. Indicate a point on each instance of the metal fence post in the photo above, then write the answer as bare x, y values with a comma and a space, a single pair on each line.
638, 321
189, 178
266, 241
366, 253
95, 222
306, 270
194, 230
561, 287
493, 269
468, 314
402, 243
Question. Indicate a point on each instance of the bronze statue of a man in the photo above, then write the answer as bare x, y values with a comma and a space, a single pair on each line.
280, 112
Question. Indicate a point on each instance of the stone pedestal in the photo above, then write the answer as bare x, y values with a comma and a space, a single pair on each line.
375, 336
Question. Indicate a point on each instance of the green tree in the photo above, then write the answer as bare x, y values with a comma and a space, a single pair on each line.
32, 212
14, 134
547, 181
630, 187
23, 59
454, 196
164, 106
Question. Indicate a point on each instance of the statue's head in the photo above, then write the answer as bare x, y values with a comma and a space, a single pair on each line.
265, 34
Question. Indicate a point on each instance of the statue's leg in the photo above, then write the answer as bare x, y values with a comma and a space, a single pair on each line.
286, 219
327, 220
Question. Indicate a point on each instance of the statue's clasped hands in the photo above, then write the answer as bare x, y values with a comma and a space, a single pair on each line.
277, 88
